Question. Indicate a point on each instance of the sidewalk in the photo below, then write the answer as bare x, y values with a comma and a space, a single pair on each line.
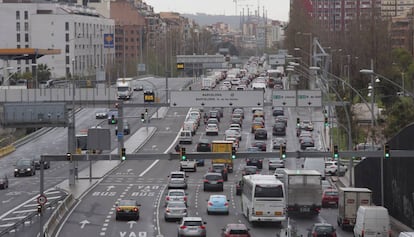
396, 226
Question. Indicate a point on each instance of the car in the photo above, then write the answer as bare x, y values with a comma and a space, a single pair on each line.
218, 204
192, 226
278, 141
259, 119
239, 187
127, 208
36, 160
261, 145
280, 173
321, 230
177, 179
283, 119
220, 168
235, 141
306, 142
304, 134
212, 129
4, 181
258, 162
186, 136
203, 145
275, 163
239, 111
24, 167
214, 114
235, 81
256, 125
253, 149
224, 88
258, 113
175, 210
213, 121
176, 195
278, 111
249, 169
138, 88
232, 133
213, 181
330, 197
220, 110
101, 114
126, 129
227, 83
236, 120
200, 162
235, 230
306, 125
279, 129
260, 133
331, 168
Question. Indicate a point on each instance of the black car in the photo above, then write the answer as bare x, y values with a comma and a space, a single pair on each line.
46, 164
203, 145
261, 145
213, 181
278, 111
258, 162
250, 169
321, 230
214, 114
24, 167
279, 129
4, 181
260, 133
127, 129
306, 142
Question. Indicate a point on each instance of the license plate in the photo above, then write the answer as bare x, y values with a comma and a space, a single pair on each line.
304, 209
213, 182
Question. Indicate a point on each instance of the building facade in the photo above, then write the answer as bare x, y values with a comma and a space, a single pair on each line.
77, 31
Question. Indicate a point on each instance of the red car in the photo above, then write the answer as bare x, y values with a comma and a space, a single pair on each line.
330, 197
235, 230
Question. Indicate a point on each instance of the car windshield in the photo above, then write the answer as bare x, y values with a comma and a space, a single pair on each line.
23, 162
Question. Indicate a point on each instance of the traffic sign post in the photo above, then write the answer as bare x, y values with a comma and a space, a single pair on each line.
41, 199
217, 98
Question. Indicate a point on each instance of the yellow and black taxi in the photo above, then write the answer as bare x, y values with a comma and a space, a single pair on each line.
128, 209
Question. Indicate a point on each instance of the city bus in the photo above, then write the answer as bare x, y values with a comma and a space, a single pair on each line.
263, 198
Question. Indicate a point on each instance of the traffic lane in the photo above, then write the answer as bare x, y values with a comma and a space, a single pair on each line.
95, 213
330, 215
167, 131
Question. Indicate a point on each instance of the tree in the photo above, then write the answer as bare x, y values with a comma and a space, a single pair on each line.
43, 72
399, 115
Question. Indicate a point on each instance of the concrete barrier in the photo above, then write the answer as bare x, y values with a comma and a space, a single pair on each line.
59, 213
7, 150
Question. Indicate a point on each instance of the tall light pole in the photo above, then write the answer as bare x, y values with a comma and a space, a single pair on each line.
35, 66
71, 129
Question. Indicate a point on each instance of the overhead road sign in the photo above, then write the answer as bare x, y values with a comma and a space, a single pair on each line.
216, 98
284, 98
218, 58
309, 98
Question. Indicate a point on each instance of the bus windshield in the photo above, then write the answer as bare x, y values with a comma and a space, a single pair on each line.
266, 191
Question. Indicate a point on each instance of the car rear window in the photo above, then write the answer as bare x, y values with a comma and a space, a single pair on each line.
127, 203
324, 229
238, 232
331, 193
193, 223
213, 177
177, 176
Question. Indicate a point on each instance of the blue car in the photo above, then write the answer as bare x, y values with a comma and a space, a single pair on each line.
218, 204
200, 162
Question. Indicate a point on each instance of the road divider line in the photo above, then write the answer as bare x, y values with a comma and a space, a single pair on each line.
149, 167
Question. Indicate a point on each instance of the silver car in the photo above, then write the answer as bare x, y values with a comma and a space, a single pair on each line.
177, 179
192, 226
175, 210
275, 163
176, 195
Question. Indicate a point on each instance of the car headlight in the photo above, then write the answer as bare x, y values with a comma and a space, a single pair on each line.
28, 169
15, 170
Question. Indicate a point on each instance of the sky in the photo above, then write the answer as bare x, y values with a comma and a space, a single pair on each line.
276, 9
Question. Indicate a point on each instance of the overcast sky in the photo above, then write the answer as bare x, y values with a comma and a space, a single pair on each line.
276, 9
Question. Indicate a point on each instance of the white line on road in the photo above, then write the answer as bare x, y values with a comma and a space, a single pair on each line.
149, 167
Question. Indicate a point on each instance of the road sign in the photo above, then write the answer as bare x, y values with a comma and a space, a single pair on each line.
284, 98
217, 98
309, 98
41, 200
120, 135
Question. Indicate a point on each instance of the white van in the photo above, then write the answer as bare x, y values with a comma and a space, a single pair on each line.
406, 234
186, 136
190, 125
372, 221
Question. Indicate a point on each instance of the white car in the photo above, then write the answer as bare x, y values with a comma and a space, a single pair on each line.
227, 83
232, 133
235, 81
212, 129
259, 86
331, 167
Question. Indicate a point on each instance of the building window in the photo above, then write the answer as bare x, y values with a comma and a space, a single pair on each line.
18, 46
17, 15
27, 61
67, 37
26, 26
26, 15
67, 60
66, 25
18, 38
67, 48
17, 26
19, 62
26, 37
26, 46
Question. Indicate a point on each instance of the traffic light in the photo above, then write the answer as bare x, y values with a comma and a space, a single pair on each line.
282, 150
335, 152
297, 122
113, 119
123, 154
69, 156
142, 117
39, 209
182, 153
146, 111
386, 150
326, 122
233, 153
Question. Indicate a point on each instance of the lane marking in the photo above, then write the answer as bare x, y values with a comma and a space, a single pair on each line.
149, 167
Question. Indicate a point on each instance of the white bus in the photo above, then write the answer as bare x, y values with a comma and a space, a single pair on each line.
263, 198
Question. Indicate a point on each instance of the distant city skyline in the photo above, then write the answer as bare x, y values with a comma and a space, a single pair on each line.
275, 9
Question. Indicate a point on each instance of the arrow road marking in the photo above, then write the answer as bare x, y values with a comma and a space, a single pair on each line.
109, 188
83, 223
131, 224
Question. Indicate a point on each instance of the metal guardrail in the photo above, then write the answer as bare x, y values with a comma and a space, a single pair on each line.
59, 213
7, 150
30, 216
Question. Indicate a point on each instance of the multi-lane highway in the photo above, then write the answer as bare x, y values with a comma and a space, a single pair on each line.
94, 214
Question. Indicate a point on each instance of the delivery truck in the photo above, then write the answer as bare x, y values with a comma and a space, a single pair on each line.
348, 203
223, 147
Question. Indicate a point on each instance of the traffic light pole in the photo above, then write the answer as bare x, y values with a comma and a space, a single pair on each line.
120, 127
